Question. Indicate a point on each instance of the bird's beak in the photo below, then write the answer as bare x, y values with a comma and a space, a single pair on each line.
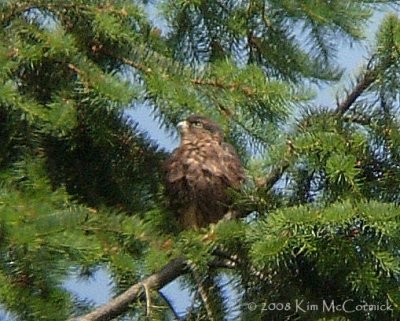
182, 125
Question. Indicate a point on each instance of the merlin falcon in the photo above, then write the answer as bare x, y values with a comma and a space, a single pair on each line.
200, 173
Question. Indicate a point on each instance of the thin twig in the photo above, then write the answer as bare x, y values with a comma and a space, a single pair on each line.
148, 299
236, 261
203, 290
276, 174
367, 80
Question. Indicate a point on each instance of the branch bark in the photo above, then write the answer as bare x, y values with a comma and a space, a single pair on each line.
367, 80
276, 174
121, 303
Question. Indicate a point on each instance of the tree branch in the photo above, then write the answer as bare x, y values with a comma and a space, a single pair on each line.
276, 174
121, 303
236, 261
366, 81
204, 289
220, 84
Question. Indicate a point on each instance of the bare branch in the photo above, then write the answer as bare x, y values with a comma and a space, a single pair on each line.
367, 80
276, 174
121, 303
140, 291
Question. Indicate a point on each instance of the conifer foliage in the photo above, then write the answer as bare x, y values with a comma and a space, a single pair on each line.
80, 183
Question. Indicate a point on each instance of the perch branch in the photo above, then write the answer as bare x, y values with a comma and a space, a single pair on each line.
141, 290
121, 303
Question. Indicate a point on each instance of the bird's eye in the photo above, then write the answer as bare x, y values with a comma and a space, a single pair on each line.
197, 124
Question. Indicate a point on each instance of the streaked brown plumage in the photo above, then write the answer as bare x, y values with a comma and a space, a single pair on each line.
199, 172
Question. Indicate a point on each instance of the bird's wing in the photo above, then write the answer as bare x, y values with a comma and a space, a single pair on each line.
173, 167
233, 169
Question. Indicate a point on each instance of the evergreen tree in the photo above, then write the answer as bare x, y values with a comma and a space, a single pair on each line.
80, 183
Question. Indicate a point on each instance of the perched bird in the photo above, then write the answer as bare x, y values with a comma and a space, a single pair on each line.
199, 173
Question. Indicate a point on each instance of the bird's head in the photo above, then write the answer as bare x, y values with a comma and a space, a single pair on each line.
198, 126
